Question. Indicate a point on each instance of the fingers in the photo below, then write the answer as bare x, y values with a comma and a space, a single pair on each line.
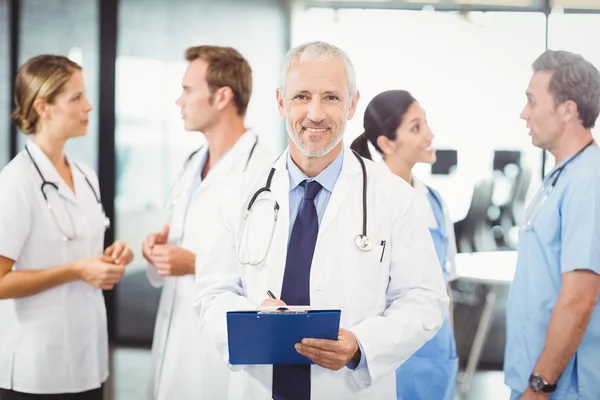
151, 240
160, 251
323, 344
124, 256
330, 354
272, 302
163, 268
104, 258
324, 358
149, 243
164, 234
117, 249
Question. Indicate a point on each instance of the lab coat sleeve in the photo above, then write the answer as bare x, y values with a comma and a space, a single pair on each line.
15, 214
452, 275
155, 279
218, 284
580, 227
417, 302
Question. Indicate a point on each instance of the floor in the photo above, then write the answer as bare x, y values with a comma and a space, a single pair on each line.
130, 374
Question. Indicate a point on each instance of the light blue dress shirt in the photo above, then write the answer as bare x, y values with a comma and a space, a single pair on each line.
327, 178
564, 236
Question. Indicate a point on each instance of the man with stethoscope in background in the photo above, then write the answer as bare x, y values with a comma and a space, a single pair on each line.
323, 227
553, 320
217, 86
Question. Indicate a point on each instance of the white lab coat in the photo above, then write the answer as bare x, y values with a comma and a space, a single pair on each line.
423, 197
392, 306
184, 365
55, 341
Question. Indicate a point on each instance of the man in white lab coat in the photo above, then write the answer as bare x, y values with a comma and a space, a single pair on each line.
387, 283
216, 90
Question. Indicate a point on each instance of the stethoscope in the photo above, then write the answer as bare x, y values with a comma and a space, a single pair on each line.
172, 197
544, 192
45, 183
362, 241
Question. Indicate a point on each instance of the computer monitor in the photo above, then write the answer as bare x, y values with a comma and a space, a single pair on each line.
502, 158
445, 163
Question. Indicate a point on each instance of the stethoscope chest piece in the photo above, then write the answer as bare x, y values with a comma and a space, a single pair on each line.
363, 243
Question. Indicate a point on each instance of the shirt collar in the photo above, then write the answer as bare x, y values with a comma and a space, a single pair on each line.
420, 187
326, 178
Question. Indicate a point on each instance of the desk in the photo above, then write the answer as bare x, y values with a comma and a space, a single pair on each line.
487, 269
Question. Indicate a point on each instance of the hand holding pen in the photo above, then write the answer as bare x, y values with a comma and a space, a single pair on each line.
272, 300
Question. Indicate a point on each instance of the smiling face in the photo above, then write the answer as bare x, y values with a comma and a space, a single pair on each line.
414, 137
316, 104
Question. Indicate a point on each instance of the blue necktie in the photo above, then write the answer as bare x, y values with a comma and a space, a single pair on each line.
292, 382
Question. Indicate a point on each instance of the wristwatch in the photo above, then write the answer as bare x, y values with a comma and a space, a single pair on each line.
539, 385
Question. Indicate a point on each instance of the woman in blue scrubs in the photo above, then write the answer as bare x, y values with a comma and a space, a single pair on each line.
396, 127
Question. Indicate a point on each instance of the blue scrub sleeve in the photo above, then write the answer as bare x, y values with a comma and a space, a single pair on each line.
580, 230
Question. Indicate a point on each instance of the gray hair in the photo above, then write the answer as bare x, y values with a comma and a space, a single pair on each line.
573, 78
317, 51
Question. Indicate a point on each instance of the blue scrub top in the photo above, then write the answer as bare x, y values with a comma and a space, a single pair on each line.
564, 236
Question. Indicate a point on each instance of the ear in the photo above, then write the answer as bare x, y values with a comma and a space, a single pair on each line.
353, 104
280, 102
41, 107
223, 97
386, 145
570, 111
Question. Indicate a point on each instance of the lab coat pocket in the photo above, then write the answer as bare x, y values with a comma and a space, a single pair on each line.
362, 274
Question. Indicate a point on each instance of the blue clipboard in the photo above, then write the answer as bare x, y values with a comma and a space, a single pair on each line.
256, 337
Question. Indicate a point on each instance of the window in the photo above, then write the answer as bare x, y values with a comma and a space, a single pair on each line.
577, 4
5, 95
469, 72
67, 28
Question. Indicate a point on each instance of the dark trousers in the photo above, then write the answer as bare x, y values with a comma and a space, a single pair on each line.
96, 394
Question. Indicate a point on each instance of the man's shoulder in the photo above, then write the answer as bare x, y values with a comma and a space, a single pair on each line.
386, 181
587, 169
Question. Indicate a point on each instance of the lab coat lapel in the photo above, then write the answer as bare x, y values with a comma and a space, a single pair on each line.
233, 161
79, 184
280, 187
177, 219
346, 180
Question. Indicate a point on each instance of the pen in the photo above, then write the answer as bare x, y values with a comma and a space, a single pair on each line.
271, 295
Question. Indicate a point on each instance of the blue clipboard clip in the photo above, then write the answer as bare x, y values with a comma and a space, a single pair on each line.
283, 309
267, 336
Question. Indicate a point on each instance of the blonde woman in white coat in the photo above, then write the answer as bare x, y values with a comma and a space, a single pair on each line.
53, 342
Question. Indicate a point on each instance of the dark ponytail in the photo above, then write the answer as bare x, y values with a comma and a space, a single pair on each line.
383, 116
361, 146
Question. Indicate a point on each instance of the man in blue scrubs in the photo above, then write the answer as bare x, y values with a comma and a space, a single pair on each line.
553, 320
